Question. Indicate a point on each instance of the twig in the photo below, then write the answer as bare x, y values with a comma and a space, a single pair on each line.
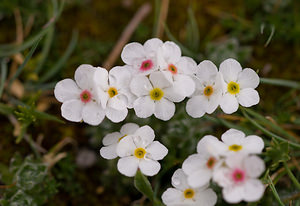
19, 26
162, 18
29, 25
143, 11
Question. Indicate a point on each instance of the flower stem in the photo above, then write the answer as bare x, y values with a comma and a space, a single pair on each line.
291, 175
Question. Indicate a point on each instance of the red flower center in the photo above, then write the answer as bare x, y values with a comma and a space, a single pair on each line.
172, 68
85, 96
146, 65
238, 175
211, 162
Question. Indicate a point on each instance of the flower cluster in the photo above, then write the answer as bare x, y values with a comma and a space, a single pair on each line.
231, 163
155, 76
136, 148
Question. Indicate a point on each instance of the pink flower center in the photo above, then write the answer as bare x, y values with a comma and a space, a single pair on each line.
238, 175
172, 68
211, 162
85, 96
146, 65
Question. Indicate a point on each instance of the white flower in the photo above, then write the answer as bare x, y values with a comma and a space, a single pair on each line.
185, 195
113, 92
155, 95
142, 58
79, 97
208, 92
200, 167
177, 69
139, 151
239, 178
239, 86
111, 141
236, 142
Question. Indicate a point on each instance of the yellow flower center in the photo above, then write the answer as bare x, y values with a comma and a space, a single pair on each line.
122, 137
112, 91
139, 152
189, 193
208, 90
235, 147
233, 88
172, 68
156, 94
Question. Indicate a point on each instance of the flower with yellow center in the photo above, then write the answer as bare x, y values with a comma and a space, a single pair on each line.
156, 94
112, 91
208, 91
189, 193
139, 153
233, 88
235, 147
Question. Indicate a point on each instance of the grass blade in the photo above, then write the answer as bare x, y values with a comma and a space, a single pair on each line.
3, 75
21, 67
271, 185
281, 82
57, 67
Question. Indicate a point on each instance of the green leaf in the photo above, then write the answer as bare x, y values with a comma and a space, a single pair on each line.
3, 75
5, 109
143, 185
277, 153
45, 116
192, 31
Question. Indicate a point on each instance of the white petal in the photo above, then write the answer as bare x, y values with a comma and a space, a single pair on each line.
126, 147
159, 80
100, 78
179, 180
171, 52
248, 97
230, 68
101, 96
206, 198
253, 190
116, 115
204, 143
213, 102
131, 52
117, 102
194, 163
66, 90
111, 138
222, 178
233, 136
172, 93
206, 71
144, 107
93, 113
200, 177
213, 147
72, 110
253, 144
248, 78
164, 109
195, 107
128, 165
146, 134
233, 194
229, 103
109, 152
186, 65
152, 45
254, 166
129, 128
149, 167
84, 76
140, 85
186, 85
120, 77
172, 197
157, 150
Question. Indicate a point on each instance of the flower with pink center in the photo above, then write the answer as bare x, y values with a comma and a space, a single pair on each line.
78, 97
201, 166
142, 59
177, 69
239, 178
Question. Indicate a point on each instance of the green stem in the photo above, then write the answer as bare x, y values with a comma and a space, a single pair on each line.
291, 175
274, 191
267, 132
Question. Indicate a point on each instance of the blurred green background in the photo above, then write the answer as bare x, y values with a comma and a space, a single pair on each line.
260, 34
